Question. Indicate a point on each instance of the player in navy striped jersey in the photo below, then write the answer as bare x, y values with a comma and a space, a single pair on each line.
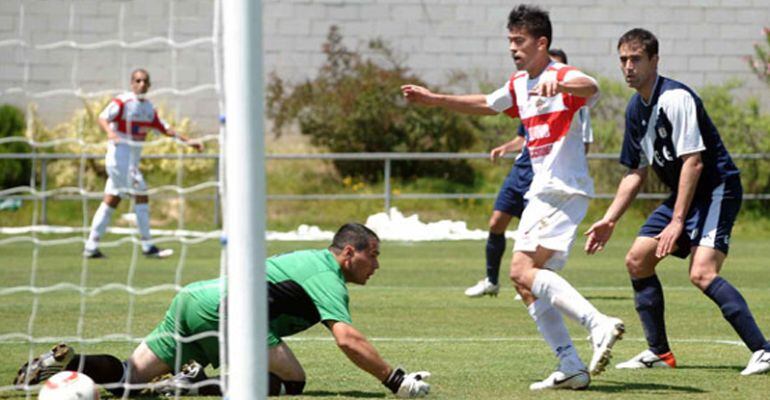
668, 129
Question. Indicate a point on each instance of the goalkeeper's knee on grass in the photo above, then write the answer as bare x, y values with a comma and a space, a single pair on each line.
280, 387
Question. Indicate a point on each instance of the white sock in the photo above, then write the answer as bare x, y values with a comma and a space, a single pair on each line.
142, 211
99, 225
551, 325
554, 289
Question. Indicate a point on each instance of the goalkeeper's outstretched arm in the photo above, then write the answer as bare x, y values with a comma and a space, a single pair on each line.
355, 346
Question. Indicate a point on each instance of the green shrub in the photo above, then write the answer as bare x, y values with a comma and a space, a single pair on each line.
355, 105
13, 172
760, 62
744, 129
83, 127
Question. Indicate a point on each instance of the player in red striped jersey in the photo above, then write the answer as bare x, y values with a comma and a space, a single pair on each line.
126, 120
546, 97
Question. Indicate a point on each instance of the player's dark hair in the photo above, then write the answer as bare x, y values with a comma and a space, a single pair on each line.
558, 53
531, 18
142, 70
642, 36
353, 234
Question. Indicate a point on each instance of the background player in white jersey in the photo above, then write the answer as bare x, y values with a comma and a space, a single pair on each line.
126, 120
669, 130
546, 96
510, 200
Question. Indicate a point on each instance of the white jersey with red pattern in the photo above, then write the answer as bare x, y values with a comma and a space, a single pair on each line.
131, 117
555, 140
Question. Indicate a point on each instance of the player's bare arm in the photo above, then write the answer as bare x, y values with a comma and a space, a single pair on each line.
692, 166
600, 232
111, 135
355, 346
195, 144
580, 86
512, 146
365, 356
468, 104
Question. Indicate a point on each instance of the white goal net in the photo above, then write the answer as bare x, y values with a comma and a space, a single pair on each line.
63, 60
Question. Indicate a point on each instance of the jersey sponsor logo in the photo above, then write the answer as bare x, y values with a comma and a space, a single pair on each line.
667, 155
662, 156
550, 128
658, 159
540, 151
539, 132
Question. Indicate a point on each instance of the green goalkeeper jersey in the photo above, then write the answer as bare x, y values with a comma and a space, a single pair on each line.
304, 287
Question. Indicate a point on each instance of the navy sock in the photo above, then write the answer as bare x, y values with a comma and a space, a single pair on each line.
648, 298
495, 250
737, 313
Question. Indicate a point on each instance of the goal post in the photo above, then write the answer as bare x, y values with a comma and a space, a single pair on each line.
245, 201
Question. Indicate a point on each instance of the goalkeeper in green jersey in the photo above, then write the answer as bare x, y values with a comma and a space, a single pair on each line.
304, 288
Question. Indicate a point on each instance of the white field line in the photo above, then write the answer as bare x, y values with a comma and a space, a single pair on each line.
20, 338
502, 339
579, 288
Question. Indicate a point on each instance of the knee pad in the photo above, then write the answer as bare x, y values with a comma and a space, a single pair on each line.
279, 387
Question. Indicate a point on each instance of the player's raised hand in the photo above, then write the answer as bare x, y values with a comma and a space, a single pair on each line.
497, 152
547, 88
417, 94
598, 235
196, 144
667, 238
414, 385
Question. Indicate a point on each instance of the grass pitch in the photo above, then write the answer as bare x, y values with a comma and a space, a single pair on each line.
414, 312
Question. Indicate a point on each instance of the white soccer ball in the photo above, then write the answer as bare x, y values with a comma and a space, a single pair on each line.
69, 385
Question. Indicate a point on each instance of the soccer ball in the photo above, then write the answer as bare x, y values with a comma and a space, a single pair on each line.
69, 385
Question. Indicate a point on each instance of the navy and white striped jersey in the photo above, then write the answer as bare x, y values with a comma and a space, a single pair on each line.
673, 124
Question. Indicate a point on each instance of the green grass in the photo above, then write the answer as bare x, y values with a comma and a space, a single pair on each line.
414, 312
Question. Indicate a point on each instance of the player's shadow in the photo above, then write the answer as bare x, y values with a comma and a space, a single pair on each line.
349, 393
608, 297
714, 367
617, 386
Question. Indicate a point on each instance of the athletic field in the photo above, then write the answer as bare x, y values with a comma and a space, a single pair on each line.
414, 312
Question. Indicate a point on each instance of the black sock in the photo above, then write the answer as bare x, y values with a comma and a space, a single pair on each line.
102, 368
495, 251
737, 313
276, 385
648, 298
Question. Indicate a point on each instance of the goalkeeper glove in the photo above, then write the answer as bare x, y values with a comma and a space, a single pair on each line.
407, 385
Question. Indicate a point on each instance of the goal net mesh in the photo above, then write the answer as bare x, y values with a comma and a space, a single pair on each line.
66, 60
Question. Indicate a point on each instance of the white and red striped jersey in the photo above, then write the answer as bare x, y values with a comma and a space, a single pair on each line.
555, 140
131, 117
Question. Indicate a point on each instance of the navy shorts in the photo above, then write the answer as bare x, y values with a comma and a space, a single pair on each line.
709, 221
510, 199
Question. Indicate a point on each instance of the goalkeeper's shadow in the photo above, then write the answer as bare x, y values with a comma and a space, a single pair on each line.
348, 393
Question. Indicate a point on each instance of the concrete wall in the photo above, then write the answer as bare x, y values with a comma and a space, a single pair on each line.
702, 41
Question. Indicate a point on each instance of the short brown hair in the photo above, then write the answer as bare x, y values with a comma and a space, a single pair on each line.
642, 36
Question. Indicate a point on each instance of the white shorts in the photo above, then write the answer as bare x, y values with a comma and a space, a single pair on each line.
124, 180
550, 220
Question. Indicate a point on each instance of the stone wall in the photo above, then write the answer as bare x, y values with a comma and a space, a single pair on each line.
702, 41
